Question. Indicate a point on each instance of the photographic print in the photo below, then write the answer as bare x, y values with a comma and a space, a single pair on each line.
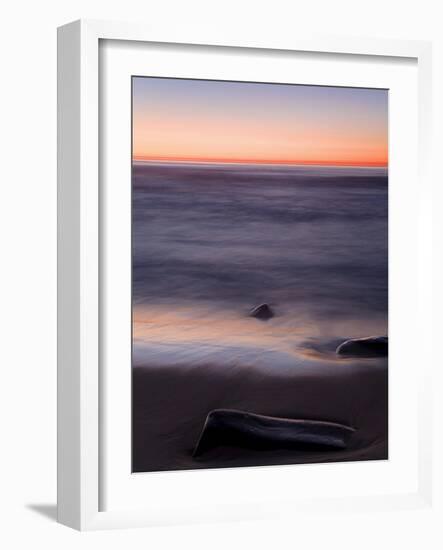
259, 274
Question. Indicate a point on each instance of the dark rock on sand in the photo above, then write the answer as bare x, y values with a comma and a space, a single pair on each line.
373, 346
262, 312
229, 427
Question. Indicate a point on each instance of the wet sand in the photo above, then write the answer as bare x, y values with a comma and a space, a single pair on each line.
170, 404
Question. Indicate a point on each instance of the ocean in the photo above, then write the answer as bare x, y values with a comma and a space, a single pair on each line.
212, 241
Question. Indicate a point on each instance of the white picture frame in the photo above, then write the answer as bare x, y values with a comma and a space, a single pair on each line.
80, 369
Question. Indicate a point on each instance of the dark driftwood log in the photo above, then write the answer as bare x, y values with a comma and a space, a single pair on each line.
239, 428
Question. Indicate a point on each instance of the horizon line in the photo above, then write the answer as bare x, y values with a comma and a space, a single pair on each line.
376, 164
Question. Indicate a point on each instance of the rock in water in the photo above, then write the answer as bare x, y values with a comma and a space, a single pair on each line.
262, 312
373, 346
249, 430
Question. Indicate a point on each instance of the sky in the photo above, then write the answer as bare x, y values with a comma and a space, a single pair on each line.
218, 121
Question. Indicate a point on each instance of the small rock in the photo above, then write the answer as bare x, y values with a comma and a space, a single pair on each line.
373, 346
262, 312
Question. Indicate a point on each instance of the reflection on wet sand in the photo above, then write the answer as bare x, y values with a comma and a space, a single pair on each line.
208, 335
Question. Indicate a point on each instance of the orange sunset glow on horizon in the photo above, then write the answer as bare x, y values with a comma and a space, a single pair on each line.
178, 120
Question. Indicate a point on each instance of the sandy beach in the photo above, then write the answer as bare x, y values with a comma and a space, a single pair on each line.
171, 403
